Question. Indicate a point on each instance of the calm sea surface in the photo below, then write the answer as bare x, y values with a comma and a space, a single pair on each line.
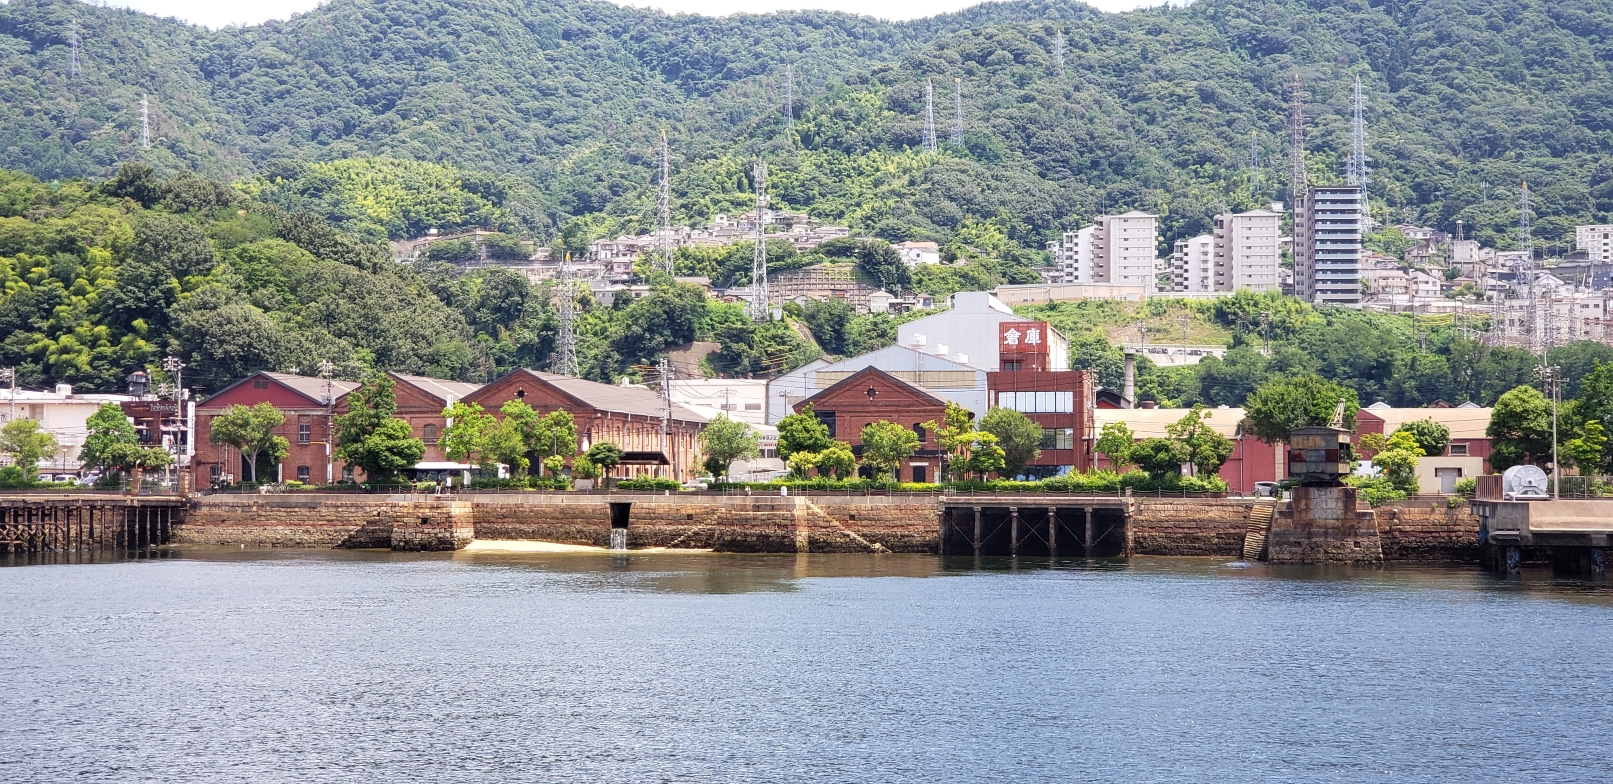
300, 666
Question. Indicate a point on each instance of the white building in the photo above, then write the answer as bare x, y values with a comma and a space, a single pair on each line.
1596, 241
1247, 251
1115, 249
740, 399
60, 412
1327, 246
1192, 264
943, 377
916, 253
967, 332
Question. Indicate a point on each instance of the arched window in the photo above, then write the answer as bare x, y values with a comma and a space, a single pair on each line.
919, 431
428, 434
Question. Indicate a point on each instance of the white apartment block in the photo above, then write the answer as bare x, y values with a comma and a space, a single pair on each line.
1246, 251
1192, 263
1327, 245
1596, 241
1116, 249
1072, 256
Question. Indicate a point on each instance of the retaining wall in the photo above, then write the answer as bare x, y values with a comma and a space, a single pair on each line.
1158, 526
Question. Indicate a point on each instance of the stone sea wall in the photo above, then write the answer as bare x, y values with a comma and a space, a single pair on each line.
1158, 526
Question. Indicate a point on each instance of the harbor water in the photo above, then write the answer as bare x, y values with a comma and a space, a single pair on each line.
302, 666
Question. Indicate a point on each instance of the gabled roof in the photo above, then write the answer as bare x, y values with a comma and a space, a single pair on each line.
608, 397
307, 386
860, 376
438, 388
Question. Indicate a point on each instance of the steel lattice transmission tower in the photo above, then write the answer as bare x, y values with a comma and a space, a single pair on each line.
565, 350
760, 303
145, 122
73, 70
957, 111
789, 101
1255, 183
929, 115
1296, 146
663, 206
1058, 51
1356, 171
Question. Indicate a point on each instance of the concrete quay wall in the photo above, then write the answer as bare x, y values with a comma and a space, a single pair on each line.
1158, 526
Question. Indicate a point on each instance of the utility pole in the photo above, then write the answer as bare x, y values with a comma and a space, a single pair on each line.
929, 115
664, 205
665, 369
1551, 379
957, 111
326, 370
566, 341
145, 122
1184, 320
73, 70
760, 304
9, 375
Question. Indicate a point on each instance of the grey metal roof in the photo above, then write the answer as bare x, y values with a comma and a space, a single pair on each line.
622, 400
313, 387
438, 388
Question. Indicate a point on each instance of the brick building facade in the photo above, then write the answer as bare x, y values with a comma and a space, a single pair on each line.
308, 404
871, 395
629, 417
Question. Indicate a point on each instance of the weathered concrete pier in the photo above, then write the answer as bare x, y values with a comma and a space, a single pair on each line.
1572, 535
81, 522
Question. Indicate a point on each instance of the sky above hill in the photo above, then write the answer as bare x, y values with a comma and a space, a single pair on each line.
212, 13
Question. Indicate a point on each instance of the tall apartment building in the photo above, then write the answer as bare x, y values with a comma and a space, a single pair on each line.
1073, 256
1327, 245
1116, 249
1192, 263
1596, 241
1246, 251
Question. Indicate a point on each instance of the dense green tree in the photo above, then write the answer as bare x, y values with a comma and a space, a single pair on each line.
1206, 449
1115, 442
606, 455
885, 446
467, 438
828, 320
802, 432
1019, 437
1160, 457
1279, 407
27, 442
725, 440
1520, 429
107, 433
250, 429
370, 437
1431, 437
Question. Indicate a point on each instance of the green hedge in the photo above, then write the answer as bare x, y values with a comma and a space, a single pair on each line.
1097, 482
649, 483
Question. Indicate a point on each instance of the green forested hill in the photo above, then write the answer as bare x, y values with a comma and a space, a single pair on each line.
561, 102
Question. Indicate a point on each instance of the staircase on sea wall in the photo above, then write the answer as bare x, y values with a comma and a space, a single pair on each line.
1254, 538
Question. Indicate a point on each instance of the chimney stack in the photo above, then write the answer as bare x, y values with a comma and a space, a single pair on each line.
1128, 391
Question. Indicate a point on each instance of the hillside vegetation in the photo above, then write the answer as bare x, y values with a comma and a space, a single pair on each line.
1153, 109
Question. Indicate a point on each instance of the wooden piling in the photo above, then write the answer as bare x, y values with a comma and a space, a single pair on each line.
1052, 532
977, 532
1013, 531
1087, 544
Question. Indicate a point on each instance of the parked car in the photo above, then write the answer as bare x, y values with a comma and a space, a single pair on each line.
1267, 489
